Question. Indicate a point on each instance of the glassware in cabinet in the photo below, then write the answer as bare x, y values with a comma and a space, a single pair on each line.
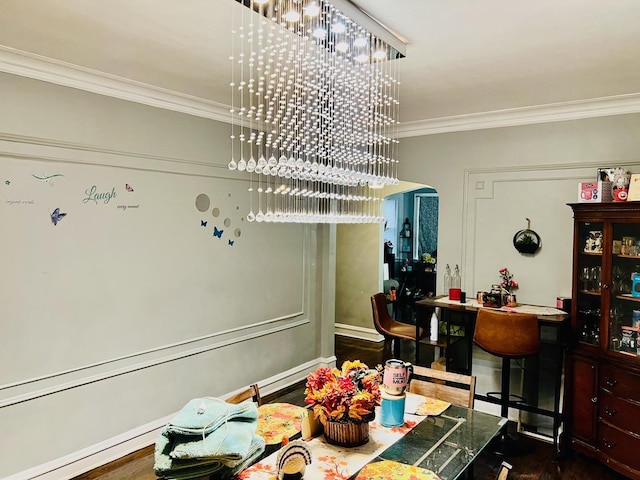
589, 284
624, 312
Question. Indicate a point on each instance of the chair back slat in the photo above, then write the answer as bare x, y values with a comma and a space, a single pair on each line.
253, 393
451, 387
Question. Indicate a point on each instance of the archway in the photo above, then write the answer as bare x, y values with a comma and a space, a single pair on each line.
410, 243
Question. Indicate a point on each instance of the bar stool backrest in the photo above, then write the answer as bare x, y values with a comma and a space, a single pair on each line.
507, 334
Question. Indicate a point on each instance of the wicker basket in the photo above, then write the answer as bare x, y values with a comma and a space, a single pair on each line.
346, 434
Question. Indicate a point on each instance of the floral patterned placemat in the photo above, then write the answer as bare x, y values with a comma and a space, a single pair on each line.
421, 405
330, 462
432, 406
387, 469
278, 420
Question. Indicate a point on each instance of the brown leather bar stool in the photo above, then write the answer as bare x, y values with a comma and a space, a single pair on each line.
508, 336
389, 328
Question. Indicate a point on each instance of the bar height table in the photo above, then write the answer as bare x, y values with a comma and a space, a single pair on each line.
553, 325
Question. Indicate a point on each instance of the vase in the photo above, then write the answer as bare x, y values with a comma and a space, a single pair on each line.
510, 300
346, 434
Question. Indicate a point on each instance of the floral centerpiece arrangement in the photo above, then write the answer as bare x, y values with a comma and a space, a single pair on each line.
351, 393
344, 401
507, 282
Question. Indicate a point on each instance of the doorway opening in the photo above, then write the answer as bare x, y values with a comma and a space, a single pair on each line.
411, 246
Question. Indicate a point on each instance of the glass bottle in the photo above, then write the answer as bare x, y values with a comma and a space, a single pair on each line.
456, 281
447, 279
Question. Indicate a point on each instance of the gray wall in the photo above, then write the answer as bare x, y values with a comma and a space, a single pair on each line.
130, 306
489, 181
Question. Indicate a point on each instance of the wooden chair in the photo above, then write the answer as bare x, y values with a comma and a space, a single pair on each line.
389, 328
450, 387
253, 392
503, 473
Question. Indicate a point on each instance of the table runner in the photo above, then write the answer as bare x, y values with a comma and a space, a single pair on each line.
535, 309
331, 462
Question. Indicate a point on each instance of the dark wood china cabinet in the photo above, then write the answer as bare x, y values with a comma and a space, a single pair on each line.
602, 398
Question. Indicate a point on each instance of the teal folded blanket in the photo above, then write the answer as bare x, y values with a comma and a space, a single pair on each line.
208, 435
193, 468
229, 443
203, 415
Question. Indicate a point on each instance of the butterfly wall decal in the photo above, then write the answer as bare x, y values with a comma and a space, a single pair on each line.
128, 187
56, 216
203, 223
217, 233
231, 242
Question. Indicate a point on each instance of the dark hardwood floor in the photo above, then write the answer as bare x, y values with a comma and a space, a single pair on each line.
537, 464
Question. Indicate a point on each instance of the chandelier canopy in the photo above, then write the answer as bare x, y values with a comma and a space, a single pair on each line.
314, 112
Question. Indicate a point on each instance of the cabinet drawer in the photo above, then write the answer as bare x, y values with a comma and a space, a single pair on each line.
620, 446
618, 412
619, 382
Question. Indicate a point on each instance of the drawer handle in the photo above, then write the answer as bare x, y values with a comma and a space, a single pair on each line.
594, 400
610, 382
608, 443
611, 412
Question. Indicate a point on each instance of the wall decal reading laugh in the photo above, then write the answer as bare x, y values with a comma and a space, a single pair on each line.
93, 195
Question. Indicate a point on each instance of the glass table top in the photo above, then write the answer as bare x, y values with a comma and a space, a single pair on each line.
446, 444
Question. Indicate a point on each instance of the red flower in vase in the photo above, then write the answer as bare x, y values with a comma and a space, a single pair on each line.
507, 282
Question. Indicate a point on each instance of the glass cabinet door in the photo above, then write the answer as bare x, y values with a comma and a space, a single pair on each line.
624, 313
589, 271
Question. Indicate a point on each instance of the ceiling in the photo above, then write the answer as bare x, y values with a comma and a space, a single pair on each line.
466, 59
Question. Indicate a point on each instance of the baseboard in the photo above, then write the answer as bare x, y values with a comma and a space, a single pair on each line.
358, 332
95, 456
112, 449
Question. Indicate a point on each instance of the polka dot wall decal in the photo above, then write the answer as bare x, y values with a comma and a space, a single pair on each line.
220, 227
203, 202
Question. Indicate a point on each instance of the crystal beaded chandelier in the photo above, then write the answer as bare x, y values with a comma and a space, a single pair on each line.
314, 112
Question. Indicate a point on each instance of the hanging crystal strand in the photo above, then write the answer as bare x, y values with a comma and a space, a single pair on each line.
251, 165
254, 114
232, 165
394, 116
241, 87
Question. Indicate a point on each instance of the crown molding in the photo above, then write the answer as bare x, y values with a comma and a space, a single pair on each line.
34, 66
553, 112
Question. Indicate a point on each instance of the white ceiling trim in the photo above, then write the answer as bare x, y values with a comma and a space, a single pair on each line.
556, 112
29, 65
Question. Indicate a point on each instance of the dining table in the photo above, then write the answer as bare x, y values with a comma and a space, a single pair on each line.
438, 440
